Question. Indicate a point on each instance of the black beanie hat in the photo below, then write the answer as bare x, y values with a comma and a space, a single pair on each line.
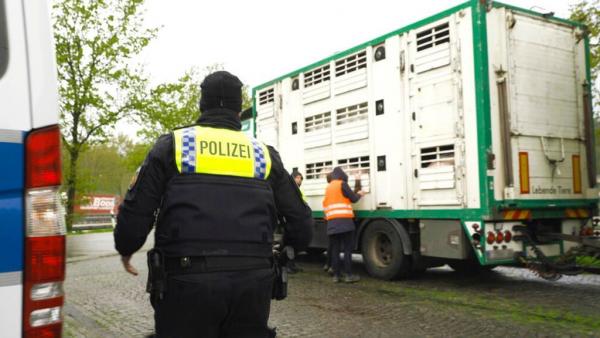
221, 90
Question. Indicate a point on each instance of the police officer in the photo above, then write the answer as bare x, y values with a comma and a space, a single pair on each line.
217, 192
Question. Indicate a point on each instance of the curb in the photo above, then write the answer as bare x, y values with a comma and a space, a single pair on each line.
87, 258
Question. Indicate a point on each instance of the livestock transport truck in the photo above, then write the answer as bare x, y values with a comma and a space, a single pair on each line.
472, 133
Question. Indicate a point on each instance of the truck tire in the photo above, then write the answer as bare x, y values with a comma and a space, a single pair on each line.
382, 251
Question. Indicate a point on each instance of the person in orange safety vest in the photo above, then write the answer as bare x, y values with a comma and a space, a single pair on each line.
337, 206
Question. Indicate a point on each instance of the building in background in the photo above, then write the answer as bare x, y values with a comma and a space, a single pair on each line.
96, 211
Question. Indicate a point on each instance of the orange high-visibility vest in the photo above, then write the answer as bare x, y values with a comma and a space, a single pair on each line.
335, 204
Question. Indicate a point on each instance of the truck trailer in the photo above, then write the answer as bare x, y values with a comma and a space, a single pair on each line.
472, 131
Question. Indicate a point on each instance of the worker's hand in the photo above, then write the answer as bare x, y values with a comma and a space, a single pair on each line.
361, 193
127, 265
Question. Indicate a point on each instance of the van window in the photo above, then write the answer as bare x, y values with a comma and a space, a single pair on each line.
3, 40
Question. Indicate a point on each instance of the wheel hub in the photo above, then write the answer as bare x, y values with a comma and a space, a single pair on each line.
382, 249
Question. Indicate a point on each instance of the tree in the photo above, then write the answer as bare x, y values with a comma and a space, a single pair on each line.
173, 105
169, 105
106, 168
95, 41
588, 12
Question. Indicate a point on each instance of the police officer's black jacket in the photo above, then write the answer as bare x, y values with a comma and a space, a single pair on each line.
210, 214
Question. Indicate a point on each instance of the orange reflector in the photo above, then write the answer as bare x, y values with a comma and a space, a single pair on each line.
577, 213
583, 213
576, 174
516, 214
524, 172
571, 213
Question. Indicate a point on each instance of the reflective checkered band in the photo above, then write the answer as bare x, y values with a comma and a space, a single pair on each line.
188, 151
260, 163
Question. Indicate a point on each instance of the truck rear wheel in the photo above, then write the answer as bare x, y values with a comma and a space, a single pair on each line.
382, 251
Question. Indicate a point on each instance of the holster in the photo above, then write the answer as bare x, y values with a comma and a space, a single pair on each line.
157, 275
280, 260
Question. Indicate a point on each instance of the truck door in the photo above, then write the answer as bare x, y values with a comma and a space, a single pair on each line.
543, 100
435, 115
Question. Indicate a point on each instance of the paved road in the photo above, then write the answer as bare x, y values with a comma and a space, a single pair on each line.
85, 246
103, 301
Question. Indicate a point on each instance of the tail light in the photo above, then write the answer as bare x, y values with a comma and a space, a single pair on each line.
490, 238
587, 231
507, 236
43, 158
499, 237
44, 271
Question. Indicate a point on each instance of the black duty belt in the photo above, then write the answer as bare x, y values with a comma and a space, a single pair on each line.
201, 264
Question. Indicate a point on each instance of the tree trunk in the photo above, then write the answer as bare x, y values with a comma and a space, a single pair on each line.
71, 187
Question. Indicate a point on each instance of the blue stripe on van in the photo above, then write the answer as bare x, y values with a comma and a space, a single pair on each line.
11, 206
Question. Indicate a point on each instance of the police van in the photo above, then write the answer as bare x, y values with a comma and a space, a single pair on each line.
472, 133
32, 228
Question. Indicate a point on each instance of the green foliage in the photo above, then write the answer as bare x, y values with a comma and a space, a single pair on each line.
108, 168
135, 156
588, 13
588, 261
169, 106
246, 98
173, 105
95, 41
105, 168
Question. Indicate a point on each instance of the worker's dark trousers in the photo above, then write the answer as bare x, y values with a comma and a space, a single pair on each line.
216, 304
344, 240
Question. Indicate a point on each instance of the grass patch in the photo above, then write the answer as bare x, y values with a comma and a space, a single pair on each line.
474, 302
588, 261
88, 231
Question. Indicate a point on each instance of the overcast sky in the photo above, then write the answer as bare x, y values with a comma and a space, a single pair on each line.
262, 39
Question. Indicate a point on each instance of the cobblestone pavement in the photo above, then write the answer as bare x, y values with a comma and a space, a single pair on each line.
103, 301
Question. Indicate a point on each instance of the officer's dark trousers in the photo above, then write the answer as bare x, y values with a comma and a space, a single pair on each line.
216, 304
338, 241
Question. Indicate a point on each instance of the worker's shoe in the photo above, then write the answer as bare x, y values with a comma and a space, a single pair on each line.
351, 278
336, 279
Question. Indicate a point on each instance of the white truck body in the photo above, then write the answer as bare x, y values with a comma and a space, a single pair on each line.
476, 116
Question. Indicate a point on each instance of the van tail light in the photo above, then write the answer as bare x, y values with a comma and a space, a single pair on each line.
42, 164
524, 172
44, 272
